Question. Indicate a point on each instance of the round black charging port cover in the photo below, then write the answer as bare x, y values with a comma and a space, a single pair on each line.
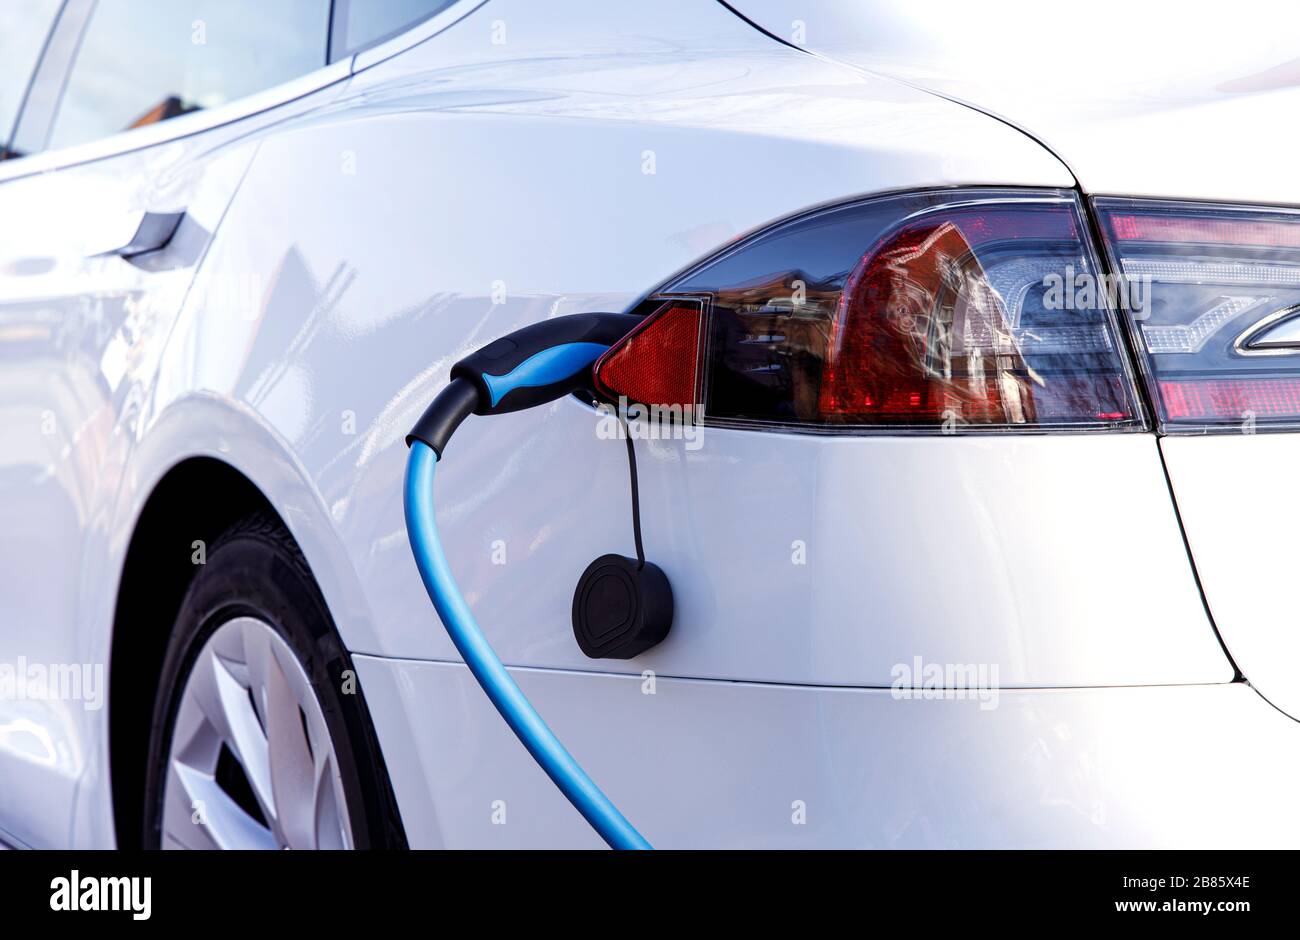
620, 610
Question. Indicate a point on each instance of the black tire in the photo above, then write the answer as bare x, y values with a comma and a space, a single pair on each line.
255, 569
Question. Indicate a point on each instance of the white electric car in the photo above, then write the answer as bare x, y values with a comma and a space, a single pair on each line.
977, 530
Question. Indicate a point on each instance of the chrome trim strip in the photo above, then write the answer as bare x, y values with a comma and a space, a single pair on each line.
184, 126
200, 121
32, 128
1243, 343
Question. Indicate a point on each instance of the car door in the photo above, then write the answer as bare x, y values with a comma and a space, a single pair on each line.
128, 159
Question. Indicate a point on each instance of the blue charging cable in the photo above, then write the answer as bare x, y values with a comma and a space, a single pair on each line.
539, 364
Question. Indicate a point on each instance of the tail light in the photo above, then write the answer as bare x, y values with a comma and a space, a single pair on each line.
954, 310
1214, 305
658, 363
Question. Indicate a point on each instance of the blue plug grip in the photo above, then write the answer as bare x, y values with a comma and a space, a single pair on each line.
544, 368
542, 361
541, 742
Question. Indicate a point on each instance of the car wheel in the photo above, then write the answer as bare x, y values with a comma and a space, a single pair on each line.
260, 736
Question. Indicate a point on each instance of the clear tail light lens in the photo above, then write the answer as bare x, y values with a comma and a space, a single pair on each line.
1213, 299
954, 310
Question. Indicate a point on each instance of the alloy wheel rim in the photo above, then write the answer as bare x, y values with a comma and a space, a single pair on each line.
251, 764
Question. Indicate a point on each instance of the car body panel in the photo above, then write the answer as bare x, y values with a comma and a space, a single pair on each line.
1186, 112
82, 337
80, 329
1244, 548
1192, 766
488, 177
354, 335
1134, 98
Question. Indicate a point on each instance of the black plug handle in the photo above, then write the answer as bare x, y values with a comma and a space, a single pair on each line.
444, 415
528, 367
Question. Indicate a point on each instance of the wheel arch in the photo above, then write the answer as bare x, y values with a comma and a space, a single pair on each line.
173, 527
203, 464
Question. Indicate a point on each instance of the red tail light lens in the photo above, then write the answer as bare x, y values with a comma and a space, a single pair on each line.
1160, 227
953, 310
1209, 399
1214, 309
659, 362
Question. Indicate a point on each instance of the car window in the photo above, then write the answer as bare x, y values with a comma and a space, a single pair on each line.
362, 23
24, 26
145, 61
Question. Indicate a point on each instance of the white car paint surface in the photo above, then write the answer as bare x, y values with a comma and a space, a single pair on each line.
1146, 99
511, 161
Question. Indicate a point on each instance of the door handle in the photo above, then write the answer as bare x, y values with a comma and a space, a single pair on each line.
154, 233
